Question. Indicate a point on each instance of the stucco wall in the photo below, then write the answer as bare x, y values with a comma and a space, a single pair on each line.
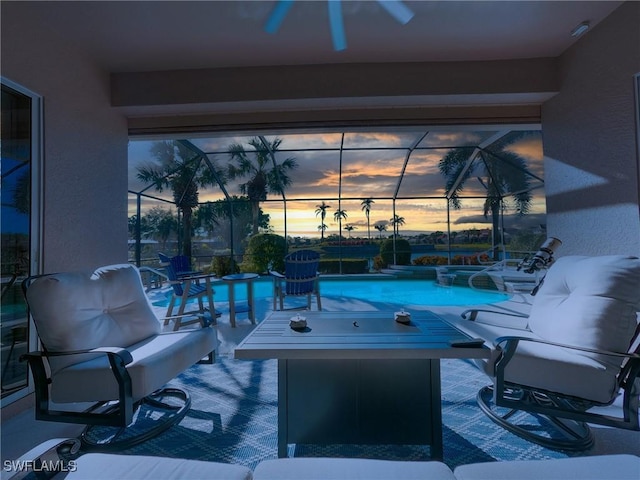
85, 147
591, 164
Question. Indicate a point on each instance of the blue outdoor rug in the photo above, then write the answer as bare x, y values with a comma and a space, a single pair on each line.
234, 417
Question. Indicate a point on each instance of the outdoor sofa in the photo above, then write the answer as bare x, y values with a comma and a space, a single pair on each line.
94, 466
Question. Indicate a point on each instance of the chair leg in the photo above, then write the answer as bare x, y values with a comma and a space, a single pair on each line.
169, 313
212, 306
317, 293
277, 295
183, 305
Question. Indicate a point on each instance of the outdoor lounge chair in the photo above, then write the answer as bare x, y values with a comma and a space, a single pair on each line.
187, 287
181, 264
578, 350
102, 344
300, 278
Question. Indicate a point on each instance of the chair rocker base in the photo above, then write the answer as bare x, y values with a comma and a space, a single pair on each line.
171, 404
564, 434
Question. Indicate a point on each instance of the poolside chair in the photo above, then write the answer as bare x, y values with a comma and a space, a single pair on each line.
102, 344
181, 264
185, 288
578, 350
301, 278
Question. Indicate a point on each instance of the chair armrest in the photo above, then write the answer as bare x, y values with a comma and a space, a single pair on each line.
52, 456
474, 313
189, 273
513, 341
198, 276
112, 352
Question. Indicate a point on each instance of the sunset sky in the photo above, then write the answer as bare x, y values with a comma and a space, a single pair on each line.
372, 163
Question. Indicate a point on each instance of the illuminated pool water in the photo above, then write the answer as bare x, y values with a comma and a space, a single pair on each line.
374, 289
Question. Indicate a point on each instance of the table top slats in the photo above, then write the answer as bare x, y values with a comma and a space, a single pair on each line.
349, 335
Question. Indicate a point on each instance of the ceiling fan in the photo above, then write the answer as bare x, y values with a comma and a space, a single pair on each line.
396, 8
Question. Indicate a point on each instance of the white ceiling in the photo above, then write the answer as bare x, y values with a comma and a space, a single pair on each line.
125, 36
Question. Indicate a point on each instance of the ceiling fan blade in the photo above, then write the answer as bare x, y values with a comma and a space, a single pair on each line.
397, 10
336, 24
277, 15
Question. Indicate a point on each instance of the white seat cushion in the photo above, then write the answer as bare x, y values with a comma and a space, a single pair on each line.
98, 466
349, 469
155, 361
573, 374
619, 467
531, 365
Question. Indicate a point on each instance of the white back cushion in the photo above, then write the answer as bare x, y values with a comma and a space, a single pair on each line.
78, 311
589, 302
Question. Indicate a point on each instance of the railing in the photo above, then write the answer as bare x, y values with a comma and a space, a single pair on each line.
506, 282
152, 278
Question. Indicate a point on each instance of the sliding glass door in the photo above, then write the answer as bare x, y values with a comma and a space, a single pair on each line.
20, 147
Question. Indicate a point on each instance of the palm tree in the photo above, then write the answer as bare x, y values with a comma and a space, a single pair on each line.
396, 221
366, 206
322, 228
349, 228
338, 216
381, 227
161, 223
179, 170
264, 177
502, 172
322, 211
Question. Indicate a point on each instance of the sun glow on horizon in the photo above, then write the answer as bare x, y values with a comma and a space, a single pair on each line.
371, 166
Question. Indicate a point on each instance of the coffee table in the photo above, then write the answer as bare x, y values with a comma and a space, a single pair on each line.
358, 377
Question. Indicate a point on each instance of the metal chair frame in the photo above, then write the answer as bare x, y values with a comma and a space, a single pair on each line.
567, 415
114, 413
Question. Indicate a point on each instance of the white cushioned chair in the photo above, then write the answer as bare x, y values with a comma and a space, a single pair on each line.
102, 343
578, 350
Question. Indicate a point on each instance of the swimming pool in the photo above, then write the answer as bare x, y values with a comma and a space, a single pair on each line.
387, 289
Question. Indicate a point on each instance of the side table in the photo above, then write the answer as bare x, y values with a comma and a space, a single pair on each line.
231, 280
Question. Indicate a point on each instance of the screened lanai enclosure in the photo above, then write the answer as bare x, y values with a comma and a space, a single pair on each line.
364, 198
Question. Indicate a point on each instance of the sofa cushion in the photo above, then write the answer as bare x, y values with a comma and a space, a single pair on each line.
349, 468
98, 466
76, 311
620, 467
589, 302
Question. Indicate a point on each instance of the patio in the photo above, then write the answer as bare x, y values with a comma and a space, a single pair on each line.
234, 413
106, 83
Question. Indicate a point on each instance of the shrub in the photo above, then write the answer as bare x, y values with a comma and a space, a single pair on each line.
378, 264
403, 252
222, 266
470, 259
431, 260
264, 252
